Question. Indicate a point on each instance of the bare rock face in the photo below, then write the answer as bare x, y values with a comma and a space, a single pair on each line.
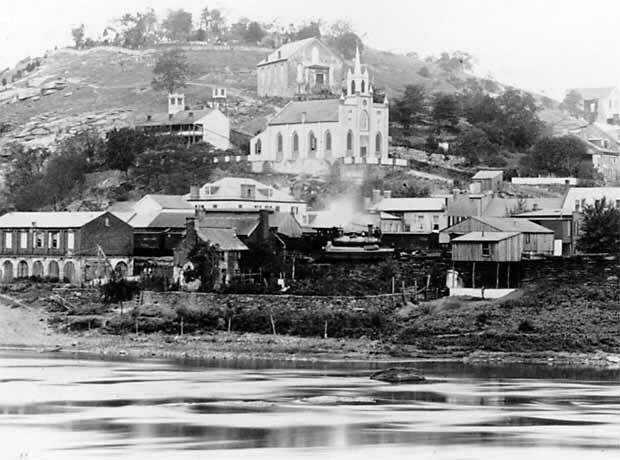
398, 375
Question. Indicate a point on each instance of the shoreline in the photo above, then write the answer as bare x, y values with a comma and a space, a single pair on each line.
224, 346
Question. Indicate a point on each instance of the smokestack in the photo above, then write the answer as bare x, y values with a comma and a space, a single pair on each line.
194, 192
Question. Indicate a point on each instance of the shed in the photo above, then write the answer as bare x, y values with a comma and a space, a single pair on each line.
487, 247
489, 180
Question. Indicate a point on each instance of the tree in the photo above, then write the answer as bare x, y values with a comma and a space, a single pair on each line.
411, 106
600, 230
123, 147
309, 30
561, 156
445, 108
254, 33
205, 258
171, 70
424, 72
520, 123
64, 171
87, 144
573, 104
23, 184
78, 36
4, 82
346, 44
139, 30
474, 144
177, 25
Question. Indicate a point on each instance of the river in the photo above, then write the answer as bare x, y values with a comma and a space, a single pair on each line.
79, 407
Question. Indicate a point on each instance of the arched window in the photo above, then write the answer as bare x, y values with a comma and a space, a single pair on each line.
258, 147
364, 120
280, 147
378, 142
22, 269
353, 87
311, 145
295, 146
328, 143
350, 142
363, 86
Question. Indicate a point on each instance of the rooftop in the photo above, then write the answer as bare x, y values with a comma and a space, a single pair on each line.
170, 201
510, 224
224, 238
484, 237
229, 188
286, 51
410, 204
487, 174
323, 110
184, 117
48, 219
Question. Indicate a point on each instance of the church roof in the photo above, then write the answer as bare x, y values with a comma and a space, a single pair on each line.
286, 51
324, 110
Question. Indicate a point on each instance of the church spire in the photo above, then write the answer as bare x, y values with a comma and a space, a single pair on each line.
357, 70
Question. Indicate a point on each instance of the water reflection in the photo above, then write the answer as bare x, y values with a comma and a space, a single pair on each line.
79, 407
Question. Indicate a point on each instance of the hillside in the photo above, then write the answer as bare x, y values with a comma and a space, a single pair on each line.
106, 87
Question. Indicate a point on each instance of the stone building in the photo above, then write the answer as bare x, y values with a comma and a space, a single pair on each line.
307, 135
302, 67
74, 246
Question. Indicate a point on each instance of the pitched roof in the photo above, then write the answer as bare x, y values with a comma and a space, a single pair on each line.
160, 219
590, 194
500, 207
170, 201
484, 236
510, 224
487, 174
410, 204
543, 213
48, 219
184, 117
286, 51
286, 224
594, 93
229, 188
323, 110
224, 238
243, 225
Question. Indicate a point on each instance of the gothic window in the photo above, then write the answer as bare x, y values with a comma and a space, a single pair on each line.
311, 145
328, 142
280, 147
257, 147
363, 86
378, 142
350, 142
353, 87
295, 145
364, 120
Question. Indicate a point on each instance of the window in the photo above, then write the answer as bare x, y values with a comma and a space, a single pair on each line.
70, 240
435, 219
40, 236
277, 208
280, 142
257, 147
295, 210
311, 145
576, 205
328, 141
421, 222
179, 101
618, 204
320, 79
350, 141
364, 120
171, 101
214, 206
240, 206
295, 145
363, 86
353, 87
378, 143
107, 222
486, 249
23, 240
54, 238
8, 240
527, 238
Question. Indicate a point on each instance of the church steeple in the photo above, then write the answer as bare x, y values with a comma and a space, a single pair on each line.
358, 81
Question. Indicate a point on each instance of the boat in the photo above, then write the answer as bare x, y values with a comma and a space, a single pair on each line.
354, 248
398, 375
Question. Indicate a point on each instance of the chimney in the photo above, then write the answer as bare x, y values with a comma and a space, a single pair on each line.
194, 192
263, 216
370, 229
376, 196
387, 194
148, 117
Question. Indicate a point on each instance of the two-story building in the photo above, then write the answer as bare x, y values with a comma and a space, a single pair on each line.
416, 215
601, 104
71, 246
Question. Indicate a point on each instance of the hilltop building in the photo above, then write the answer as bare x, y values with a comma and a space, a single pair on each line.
302, 67
193, 125
601, 104
602, 143
307, 135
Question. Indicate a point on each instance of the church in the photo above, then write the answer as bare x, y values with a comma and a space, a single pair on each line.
307, 136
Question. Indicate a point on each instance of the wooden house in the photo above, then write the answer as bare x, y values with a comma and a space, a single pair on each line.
536, 239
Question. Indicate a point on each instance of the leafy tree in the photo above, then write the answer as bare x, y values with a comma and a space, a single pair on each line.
177, 25
63, 172
254, 33
86, 144
24, 179
600, 230
346, 43
573, 104
123, 146
480, 108
411, 106
139, 30
215, 26
520, 123
205, 260
561, 156
309, 30
431, 144
445, 108
474, 144
424, 72
4, 82
171, 70
78, 36
118, 290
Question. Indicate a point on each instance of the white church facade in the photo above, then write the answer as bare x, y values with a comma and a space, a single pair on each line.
308, 136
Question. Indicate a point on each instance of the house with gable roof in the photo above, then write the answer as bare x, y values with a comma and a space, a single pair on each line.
601, 104
302, 67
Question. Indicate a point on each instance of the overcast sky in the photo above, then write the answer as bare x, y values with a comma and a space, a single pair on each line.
541, 45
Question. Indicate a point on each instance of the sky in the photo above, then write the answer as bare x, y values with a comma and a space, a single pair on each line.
545, 46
